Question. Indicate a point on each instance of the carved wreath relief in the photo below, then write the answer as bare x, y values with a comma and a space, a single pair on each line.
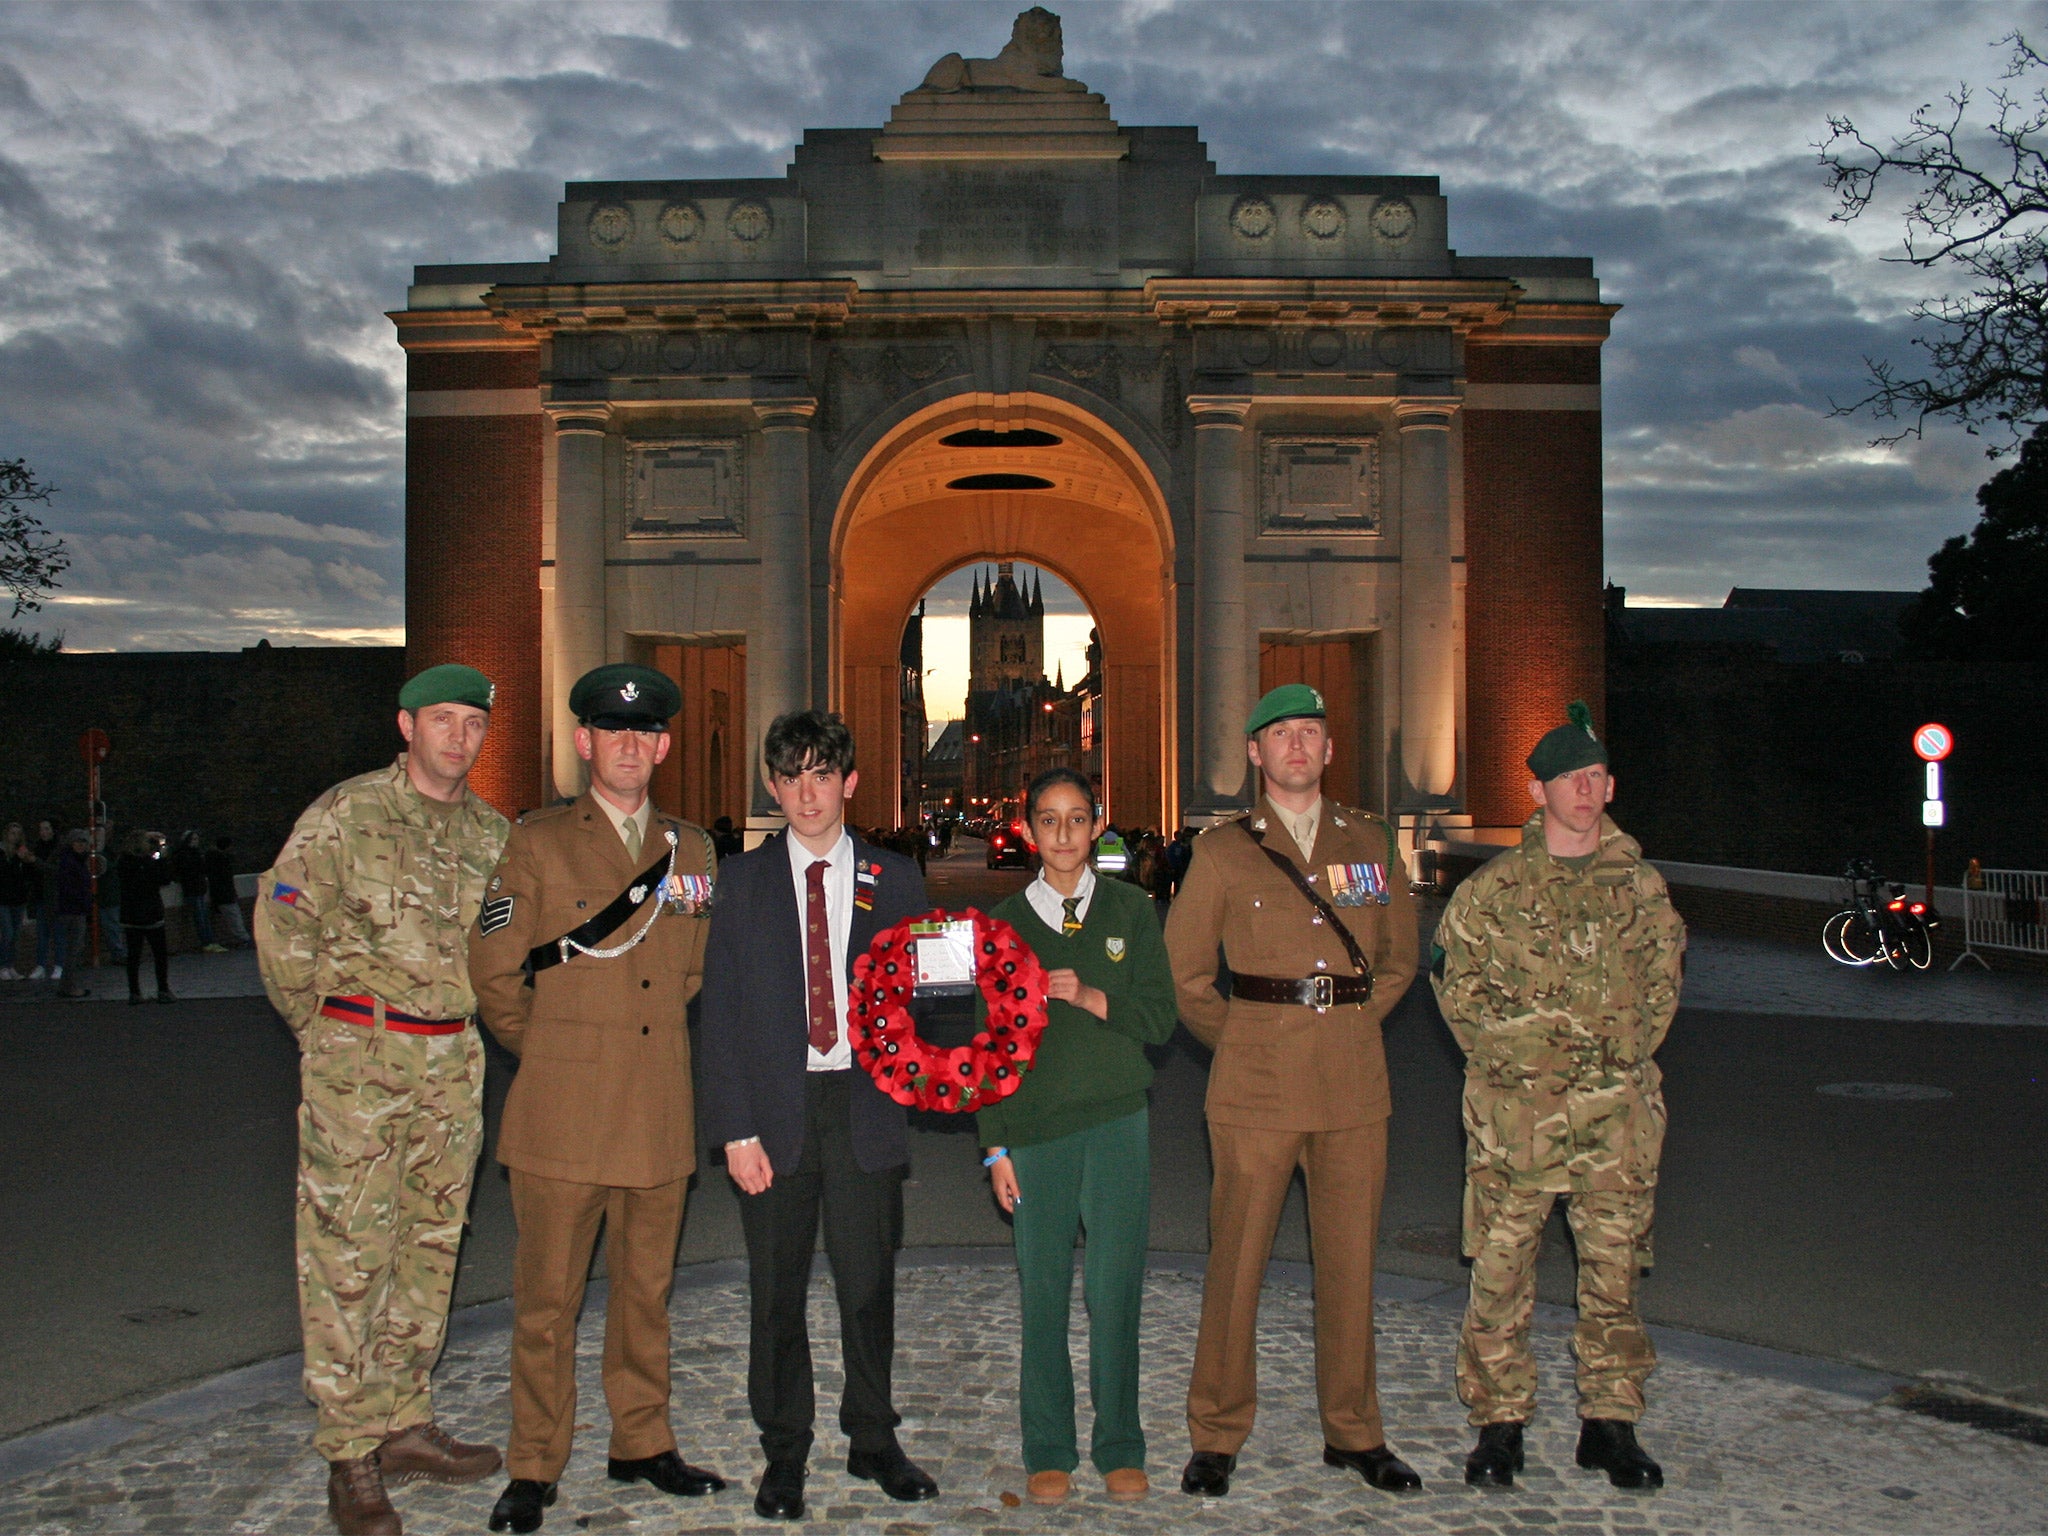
1252, 217
680, 223
1322, 218
1393, 218
1318, 483
611, 226
749, 221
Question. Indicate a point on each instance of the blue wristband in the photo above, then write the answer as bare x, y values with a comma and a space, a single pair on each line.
995, 1157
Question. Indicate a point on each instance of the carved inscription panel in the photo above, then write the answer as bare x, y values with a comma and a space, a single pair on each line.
992, 216
692, 487
1318, 484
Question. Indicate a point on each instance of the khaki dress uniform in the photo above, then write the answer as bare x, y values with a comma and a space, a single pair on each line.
1291, 1086
360, 937
599, 1123
1559, 983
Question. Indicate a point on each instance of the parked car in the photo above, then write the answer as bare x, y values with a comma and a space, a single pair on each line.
1008, 848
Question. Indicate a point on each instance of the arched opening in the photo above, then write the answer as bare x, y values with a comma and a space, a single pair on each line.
1091, 513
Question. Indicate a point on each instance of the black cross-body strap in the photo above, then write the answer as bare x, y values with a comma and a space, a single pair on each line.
1288, 868
623, 906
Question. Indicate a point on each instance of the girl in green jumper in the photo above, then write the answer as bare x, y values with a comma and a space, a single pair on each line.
1070, 1150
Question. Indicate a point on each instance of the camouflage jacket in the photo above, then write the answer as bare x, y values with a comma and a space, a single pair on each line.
1559, 985
374, 894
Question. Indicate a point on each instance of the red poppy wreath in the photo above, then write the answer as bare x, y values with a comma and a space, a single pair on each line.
912, 1071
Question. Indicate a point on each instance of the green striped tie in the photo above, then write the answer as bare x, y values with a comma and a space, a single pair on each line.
1071, 923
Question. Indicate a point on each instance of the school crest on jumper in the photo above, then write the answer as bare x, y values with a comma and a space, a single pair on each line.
1114, 948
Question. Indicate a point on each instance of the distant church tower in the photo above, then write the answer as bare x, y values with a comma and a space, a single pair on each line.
1005, 633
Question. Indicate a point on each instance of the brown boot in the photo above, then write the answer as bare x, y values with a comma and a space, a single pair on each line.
428, 1451
356, 1499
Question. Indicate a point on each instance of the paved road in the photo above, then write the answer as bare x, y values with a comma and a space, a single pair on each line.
149, 1155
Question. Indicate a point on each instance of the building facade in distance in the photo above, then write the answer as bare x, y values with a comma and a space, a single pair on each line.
1268, 426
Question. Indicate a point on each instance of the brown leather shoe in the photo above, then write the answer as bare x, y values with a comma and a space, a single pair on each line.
1048, 1487
1127, 1485
427, 1451
356, 1500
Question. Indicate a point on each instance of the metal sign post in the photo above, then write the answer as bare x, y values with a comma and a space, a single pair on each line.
1931, 744
93, 746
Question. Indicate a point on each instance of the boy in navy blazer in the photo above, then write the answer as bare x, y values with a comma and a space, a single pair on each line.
806, 1132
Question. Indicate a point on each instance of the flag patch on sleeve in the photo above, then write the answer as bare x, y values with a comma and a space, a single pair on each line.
288, 894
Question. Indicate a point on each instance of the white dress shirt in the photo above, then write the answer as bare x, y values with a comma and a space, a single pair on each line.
1050, 905
619, 818
838, 929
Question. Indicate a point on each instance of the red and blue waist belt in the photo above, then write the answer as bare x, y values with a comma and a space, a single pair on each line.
363, 1011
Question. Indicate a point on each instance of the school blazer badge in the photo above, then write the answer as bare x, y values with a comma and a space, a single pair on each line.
1114, 948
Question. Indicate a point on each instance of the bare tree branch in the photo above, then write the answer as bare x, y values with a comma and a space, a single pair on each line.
31, 557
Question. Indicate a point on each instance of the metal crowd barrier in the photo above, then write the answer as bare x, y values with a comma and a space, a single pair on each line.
2009, 912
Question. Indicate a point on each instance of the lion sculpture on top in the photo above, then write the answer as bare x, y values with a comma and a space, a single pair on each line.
1030, 61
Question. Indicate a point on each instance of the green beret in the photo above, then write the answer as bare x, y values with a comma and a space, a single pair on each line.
625, 696
450, 683
1568, 748
1290, 701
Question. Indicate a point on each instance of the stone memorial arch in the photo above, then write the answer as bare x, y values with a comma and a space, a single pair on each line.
1270, 427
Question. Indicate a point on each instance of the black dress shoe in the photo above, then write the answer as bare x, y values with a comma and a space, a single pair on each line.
1609, 1445
781, 1494
1207, 1474
1497, 1457
894, 1473
1380, 1467
519, 1506
668, 1472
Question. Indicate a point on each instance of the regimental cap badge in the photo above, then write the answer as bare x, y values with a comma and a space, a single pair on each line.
630, 692
625, 696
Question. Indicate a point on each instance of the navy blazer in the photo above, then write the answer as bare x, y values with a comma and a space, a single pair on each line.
754, 1020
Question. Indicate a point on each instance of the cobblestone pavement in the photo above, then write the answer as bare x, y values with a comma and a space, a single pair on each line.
1743, 1450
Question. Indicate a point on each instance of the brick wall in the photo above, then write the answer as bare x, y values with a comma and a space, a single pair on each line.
1534, 635
221, 741
472, 554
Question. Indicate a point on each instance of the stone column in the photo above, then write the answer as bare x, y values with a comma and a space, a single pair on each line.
1223, 655
1429, 679
779, 644
579, 572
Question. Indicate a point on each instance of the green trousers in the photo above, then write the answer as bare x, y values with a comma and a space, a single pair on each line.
1097, 1181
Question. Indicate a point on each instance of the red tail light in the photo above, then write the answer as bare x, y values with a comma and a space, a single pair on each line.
1895, 906
1918, 909
997, 839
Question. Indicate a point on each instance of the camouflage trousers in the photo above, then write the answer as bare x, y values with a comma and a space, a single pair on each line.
389, 1128
1496, 1371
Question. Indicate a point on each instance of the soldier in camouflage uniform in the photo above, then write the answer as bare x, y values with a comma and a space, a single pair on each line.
1557, 968
362, 937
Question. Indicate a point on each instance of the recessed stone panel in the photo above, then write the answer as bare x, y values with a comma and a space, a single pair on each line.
686, 487
1318, 483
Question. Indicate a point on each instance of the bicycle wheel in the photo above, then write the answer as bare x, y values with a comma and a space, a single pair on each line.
1848, 939
1917, 944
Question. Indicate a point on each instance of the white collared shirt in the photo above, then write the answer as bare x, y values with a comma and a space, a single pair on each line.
839, 929
1302, 827
1050, 905
619, 818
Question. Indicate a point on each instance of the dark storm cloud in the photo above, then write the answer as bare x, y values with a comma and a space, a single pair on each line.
205, 210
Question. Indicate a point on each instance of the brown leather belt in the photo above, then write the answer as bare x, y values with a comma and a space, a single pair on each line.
1317, 992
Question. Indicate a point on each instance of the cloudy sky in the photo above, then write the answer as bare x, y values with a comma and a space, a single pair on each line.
205, 211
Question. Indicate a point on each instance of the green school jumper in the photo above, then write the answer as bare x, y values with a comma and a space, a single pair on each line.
1078, 1134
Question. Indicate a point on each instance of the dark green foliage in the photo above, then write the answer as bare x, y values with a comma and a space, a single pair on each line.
1987, 591
16, 646
31, 557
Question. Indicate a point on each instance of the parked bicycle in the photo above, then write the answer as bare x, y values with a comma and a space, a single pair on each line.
1880, 923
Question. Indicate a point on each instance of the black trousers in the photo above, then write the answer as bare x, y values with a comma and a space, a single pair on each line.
863, 1217
154, 938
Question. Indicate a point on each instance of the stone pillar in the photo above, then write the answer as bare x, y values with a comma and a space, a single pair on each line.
779, 644
579, 572
1224, 659
1429, 678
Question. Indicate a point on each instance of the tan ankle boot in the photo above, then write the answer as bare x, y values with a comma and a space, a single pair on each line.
356, 1500
428, 1451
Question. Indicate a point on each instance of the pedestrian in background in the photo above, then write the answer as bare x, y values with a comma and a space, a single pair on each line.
144, 871
15, 863
111, 936
190, 863
221, 893
73, 880
43, 900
